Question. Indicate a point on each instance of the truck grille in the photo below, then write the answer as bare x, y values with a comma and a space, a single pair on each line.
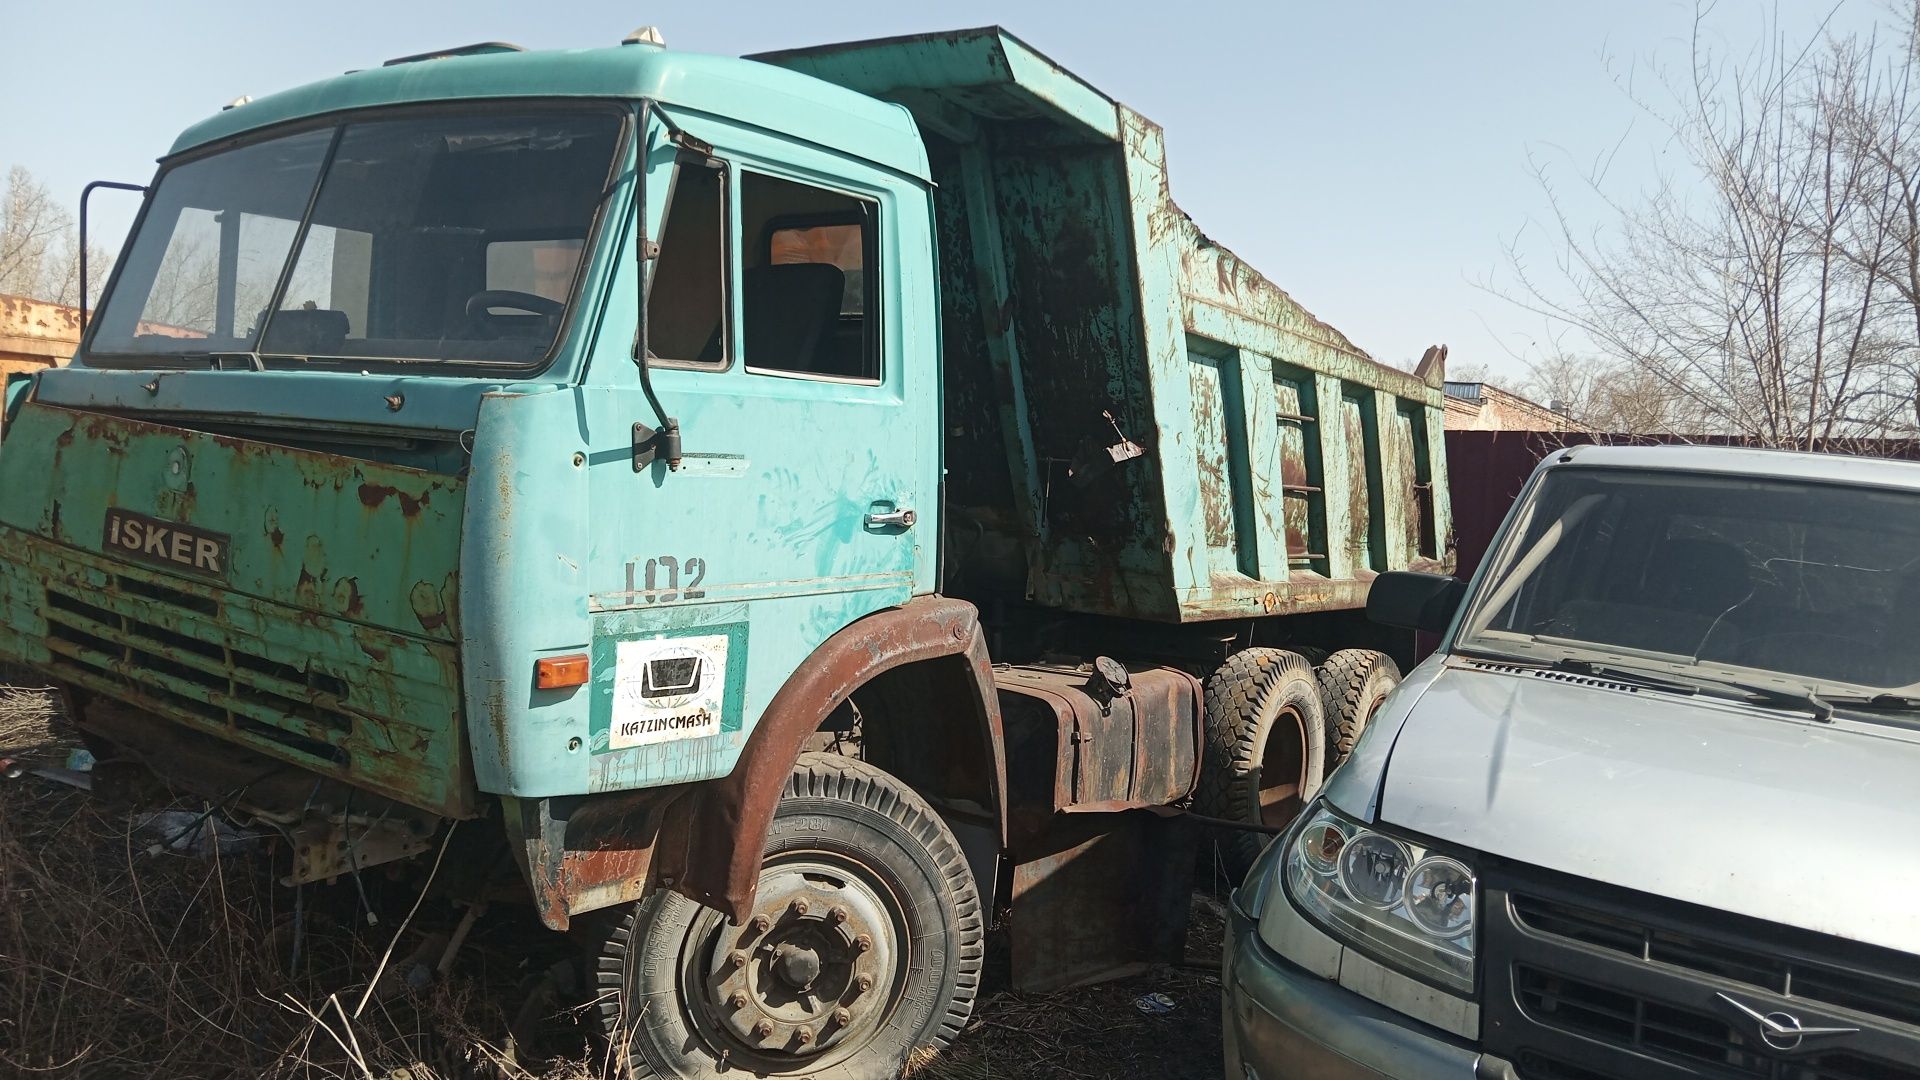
1587, 982
336, 697
235, 687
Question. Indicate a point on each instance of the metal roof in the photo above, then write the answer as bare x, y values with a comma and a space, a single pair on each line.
762, 94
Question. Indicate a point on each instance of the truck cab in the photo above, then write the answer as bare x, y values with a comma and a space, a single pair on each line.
1635, 817
774, 510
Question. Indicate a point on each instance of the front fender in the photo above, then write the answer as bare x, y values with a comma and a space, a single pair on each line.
719, 865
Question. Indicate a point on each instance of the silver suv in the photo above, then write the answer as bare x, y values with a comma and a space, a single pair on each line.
1651, 810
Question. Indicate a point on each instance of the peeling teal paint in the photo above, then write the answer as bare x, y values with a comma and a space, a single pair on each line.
1088, 403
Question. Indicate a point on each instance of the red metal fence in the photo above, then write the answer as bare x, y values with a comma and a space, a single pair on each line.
1487, 469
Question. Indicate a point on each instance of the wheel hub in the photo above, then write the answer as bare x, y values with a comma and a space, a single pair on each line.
796, 965
812, 968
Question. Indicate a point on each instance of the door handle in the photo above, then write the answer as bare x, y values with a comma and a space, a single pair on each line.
903, 518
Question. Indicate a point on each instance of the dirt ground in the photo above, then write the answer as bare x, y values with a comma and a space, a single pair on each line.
120, 956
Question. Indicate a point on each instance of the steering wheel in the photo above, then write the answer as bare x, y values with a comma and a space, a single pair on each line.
533, 303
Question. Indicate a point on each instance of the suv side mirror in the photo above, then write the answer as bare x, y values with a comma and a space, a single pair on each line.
1415, 601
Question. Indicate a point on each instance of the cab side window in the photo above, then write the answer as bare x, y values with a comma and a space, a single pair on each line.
687, 295
807, 308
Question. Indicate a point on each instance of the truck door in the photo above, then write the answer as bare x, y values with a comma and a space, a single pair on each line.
793, 343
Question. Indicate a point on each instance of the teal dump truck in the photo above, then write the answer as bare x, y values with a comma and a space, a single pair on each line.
775, 513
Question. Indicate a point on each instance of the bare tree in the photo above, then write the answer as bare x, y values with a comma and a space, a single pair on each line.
1773, 297
1603, 396
40, 246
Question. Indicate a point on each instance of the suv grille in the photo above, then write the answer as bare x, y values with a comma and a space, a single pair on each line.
1586, 982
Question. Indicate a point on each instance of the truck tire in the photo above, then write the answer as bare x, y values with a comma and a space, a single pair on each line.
1353, 683
1266, 748
867, 935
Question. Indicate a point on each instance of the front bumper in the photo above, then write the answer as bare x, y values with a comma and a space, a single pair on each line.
1283, 1023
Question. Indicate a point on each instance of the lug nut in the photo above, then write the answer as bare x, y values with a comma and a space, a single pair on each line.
763, 922
737, 958
841, 1018
800, 906
763, 1029
864, 943
738, 1000
838, 915
805, 1035
864, 982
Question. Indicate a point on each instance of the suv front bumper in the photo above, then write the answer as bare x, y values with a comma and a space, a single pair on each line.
1281, 1022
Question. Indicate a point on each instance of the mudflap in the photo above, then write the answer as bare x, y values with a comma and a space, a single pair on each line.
1101, 896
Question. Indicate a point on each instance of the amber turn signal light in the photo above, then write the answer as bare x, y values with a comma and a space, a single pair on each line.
560, 672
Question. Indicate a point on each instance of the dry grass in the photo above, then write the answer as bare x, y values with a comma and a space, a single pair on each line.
26, 718
119, 962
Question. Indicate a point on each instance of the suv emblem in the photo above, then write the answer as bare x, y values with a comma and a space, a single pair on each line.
1783, 1031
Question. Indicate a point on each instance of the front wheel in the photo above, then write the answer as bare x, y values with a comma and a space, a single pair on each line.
865, 945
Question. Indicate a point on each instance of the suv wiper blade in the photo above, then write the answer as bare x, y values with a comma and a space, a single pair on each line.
1822, 708
1874, 702
1756, 694
1625, 675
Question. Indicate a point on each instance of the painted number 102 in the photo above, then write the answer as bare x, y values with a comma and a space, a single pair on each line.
659, 579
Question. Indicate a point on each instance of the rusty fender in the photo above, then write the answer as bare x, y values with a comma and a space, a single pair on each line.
720, 864
582, 853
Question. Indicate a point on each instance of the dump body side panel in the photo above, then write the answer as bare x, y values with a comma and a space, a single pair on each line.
1139, 424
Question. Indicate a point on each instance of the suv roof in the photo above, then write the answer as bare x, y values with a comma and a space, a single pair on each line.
1744, 461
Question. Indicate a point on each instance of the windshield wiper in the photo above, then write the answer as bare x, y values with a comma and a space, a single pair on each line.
1874, 702
1625, 675
1822, 708
1808, 699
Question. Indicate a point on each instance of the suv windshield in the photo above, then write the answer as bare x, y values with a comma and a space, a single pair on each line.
452, 237
1817, 583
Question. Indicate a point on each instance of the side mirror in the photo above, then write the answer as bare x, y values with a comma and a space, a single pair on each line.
1415, 601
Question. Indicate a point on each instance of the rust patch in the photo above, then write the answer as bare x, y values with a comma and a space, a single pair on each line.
347, 599
427, 607
372, 495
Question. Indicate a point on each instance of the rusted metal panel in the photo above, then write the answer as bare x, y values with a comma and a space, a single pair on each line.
293, 602
1085, 310
584, 853
1084, 746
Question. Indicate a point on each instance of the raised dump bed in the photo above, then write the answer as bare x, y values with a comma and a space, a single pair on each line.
1138, 423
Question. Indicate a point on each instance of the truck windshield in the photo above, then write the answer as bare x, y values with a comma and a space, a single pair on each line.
450, 237
1680, 572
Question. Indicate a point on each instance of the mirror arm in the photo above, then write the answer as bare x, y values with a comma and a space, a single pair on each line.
662, 443
86, 193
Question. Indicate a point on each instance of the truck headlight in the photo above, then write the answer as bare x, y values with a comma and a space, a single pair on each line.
1389, 897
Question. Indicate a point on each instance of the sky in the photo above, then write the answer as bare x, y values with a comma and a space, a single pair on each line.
1375, 159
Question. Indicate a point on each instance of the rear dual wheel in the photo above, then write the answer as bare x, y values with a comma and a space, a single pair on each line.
865, 945
1276, 727
1354, 683
1266, 748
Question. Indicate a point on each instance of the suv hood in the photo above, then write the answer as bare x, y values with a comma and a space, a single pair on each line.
1707, 802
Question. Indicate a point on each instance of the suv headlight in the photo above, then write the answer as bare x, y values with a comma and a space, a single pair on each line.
1408, 906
